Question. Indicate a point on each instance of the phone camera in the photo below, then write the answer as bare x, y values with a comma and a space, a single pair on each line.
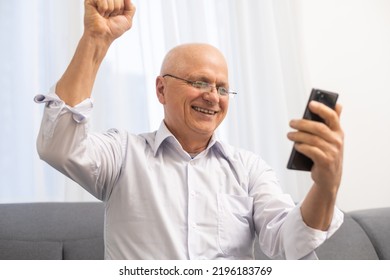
321, 95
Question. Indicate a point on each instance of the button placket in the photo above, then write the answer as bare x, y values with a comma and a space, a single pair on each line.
192, 219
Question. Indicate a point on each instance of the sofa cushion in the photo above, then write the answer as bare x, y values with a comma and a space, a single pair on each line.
84, 249
375, 223
30, 250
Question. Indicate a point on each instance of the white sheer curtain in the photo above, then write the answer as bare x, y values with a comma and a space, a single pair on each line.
39, 38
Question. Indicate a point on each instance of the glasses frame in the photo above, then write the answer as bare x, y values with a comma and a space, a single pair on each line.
203, 86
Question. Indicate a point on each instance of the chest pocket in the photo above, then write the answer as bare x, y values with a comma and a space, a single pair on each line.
235, 225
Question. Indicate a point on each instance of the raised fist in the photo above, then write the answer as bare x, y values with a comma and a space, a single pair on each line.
108, 19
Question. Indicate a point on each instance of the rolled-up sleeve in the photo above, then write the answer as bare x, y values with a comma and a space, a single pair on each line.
55, 107
300, 240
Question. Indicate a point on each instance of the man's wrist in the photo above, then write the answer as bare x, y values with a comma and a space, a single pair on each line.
97, 44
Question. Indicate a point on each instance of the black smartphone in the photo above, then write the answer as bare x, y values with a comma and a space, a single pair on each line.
299, 161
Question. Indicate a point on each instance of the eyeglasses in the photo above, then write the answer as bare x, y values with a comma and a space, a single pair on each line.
207, 87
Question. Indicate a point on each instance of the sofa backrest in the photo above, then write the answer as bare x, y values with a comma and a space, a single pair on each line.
349, 242
376, 224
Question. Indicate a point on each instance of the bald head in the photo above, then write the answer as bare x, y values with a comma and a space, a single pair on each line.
191, 56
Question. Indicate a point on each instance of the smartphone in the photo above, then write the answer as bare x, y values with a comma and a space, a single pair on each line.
299, 161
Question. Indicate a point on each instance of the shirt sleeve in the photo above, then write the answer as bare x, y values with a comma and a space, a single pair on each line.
92, 160
300, 240
278, 221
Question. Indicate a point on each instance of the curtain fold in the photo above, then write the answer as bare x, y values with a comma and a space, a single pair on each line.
257, 37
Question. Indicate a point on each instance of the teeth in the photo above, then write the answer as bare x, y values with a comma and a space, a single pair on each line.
205, 111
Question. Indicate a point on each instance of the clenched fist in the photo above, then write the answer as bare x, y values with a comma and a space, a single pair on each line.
108, 19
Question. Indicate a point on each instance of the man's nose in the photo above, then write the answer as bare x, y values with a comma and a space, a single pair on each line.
211, 95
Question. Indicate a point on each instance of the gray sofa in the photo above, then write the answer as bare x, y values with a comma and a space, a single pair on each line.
75, 231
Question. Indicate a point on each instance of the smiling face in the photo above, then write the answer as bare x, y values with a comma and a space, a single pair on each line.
191, 114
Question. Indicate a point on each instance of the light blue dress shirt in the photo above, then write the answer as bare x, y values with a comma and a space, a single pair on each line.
160, 203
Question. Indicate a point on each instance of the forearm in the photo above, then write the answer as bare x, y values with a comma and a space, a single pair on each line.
318, 207
77, 82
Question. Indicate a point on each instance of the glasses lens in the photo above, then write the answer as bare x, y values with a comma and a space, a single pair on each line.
201, 85
223, 91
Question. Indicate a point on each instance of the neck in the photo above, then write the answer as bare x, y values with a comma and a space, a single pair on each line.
192, 143
193, 147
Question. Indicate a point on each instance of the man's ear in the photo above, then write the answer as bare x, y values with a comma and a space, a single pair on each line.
160, 89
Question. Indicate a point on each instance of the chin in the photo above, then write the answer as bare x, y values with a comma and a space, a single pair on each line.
206, 130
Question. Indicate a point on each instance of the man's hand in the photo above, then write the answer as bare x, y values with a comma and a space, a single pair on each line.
324, 144
108, 19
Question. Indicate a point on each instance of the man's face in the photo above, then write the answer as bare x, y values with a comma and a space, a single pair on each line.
190, 111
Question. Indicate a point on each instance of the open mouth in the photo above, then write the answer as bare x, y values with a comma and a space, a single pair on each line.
204, 111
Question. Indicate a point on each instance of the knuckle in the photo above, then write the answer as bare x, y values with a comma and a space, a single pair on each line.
328, 160
339, 142
322, 129
101, 6
317, 141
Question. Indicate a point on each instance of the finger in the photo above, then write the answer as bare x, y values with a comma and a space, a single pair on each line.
325, 158
101, 6
110, 8
330, 116
311, 152
339, 109
118, 8
128, 6
308, 139
314, 128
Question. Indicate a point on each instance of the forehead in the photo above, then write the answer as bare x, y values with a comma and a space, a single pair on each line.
195, 59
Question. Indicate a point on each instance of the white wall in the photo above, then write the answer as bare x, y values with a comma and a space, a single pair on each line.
346, 48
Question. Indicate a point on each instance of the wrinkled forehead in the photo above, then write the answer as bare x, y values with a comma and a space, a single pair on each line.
192, 57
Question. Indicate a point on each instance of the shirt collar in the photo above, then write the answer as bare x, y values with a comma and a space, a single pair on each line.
163, 134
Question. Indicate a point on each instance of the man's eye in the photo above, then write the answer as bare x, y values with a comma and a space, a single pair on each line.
200, 84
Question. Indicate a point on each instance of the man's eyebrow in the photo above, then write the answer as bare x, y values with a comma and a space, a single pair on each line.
201, 77
204, 78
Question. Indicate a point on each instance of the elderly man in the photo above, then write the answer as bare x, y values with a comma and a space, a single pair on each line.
179, 192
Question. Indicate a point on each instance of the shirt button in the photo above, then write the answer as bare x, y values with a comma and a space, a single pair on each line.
193, 193
194, 225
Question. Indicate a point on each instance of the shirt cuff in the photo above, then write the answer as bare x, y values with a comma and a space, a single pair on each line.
56, 107
301, 240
